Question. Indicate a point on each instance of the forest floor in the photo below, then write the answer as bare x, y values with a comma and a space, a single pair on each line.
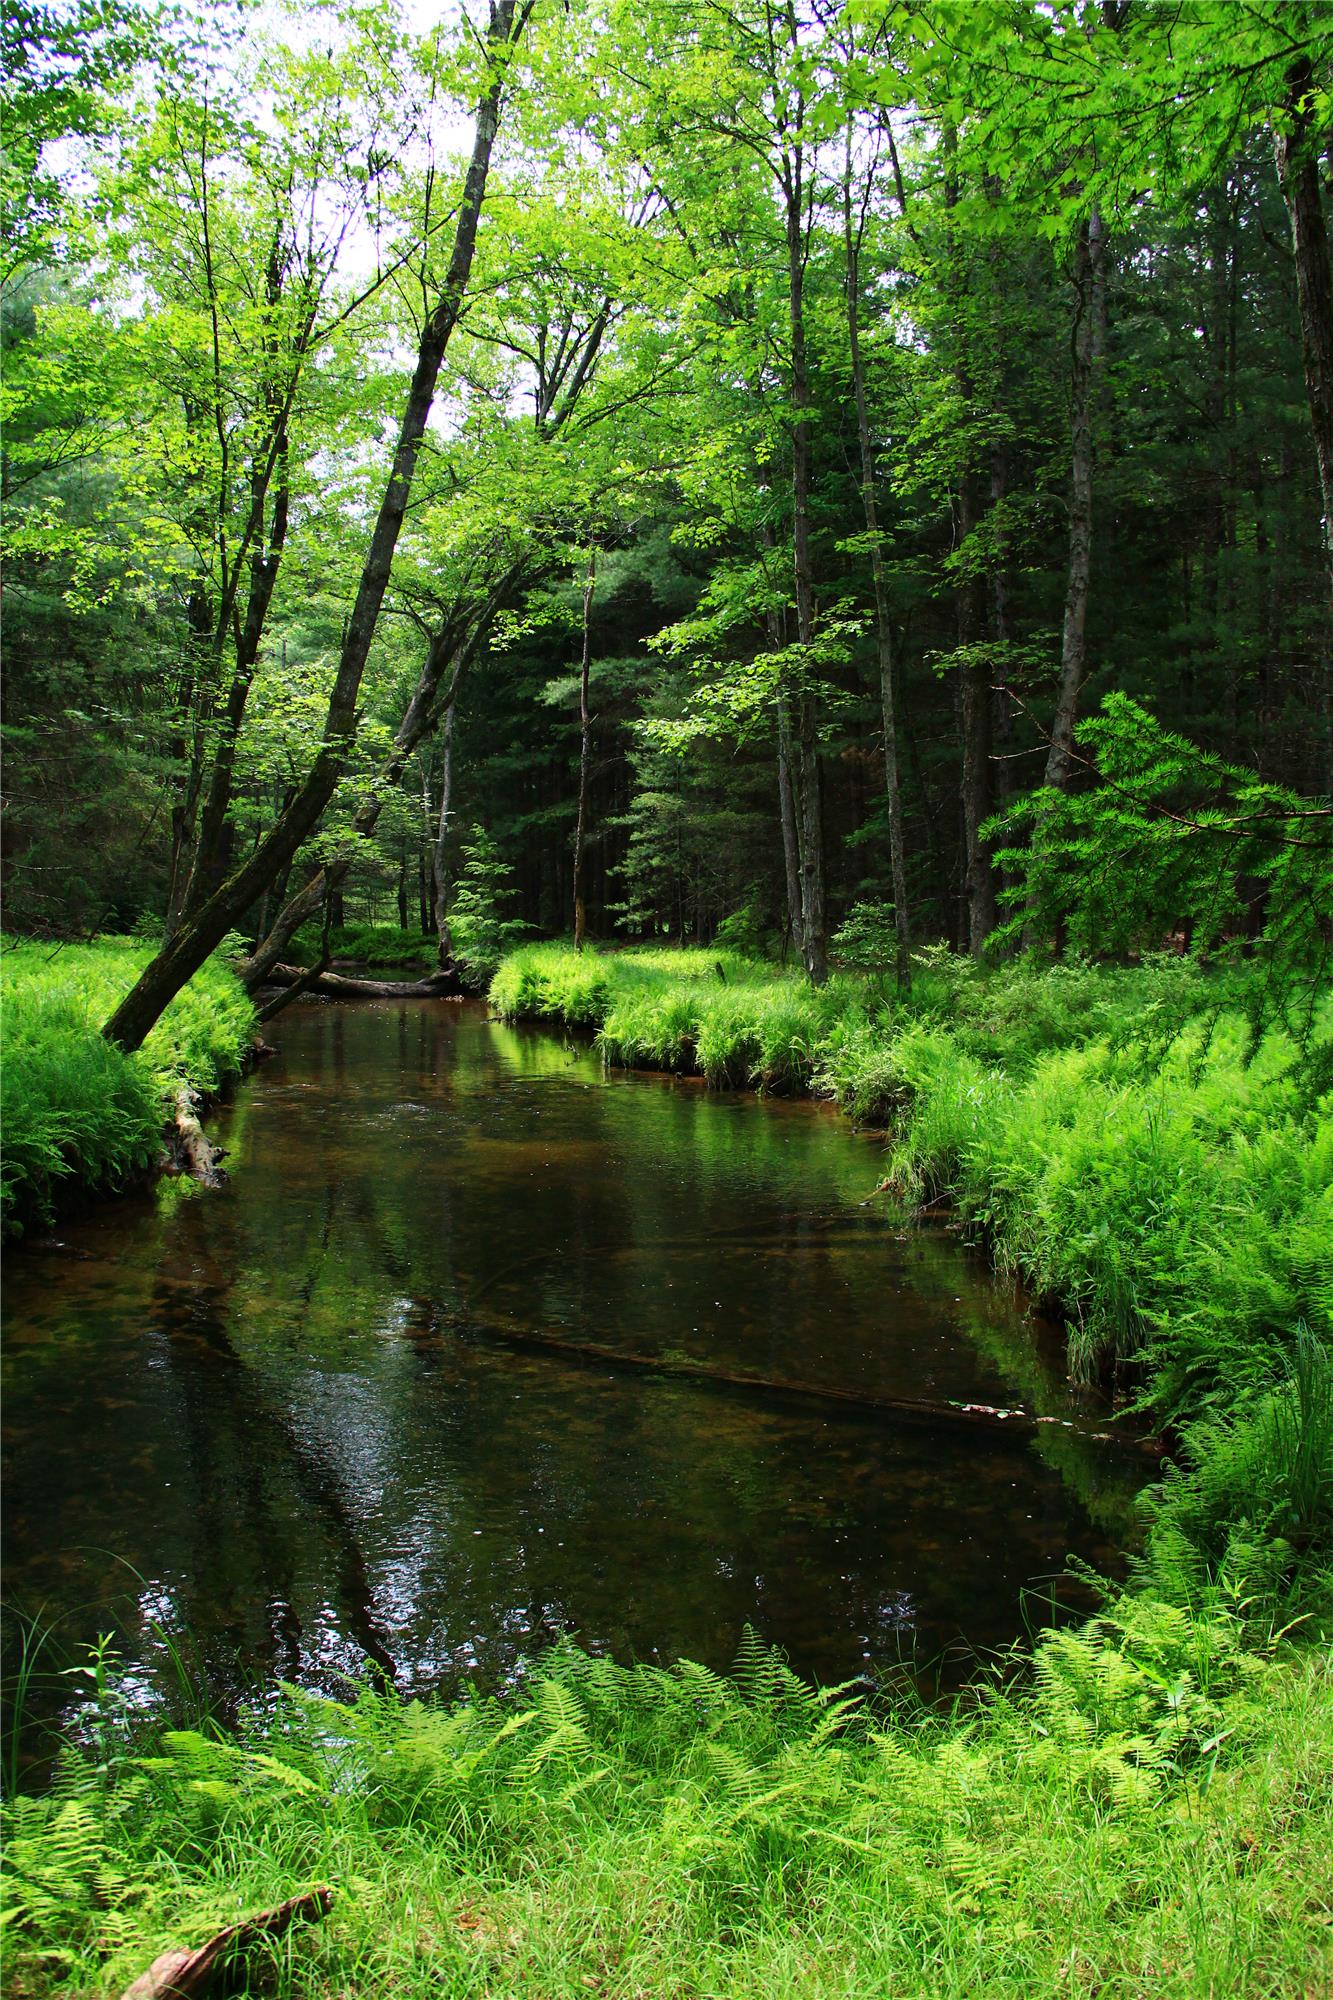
1151, 1815
1143, 1806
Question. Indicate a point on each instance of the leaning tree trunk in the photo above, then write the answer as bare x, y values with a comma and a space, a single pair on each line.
585, 756
422, 714
183, 955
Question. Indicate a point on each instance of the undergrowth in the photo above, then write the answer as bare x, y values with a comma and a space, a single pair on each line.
366, 944
1150, 1812
79, 1114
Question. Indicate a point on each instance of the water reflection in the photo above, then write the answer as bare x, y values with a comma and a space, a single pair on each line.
291, 1420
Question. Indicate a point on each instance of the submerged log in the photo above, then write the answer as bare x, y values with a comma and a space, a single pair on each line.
1015, 1419
184, 1975
335, 986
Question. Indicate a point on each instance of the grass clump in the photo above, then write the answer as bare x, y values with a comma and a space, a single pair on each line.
78, 1113
1149, 1813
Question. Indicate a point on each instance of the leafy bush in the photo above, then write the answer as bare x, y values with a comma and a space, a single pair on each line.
480, 930
866, 938
1169, 838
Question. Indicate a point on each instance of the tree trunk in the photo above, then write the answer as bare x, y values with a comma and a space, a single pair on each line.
791, 840
201, 934
974, 694
1298, 171
814, 916
211, 847
975, 708
439, 869
883, 630
814, 922
585, 750
453, 645
1089, 311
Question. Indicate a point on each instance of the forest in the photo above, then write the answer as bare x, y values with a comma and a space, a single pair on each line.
587, 587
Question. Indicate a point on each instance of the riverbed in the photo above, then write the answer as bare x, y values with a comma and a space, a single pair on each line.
308, 1424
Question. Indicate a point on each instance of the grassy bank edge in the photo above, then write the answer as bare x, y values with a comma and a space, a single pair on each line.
1150, 1814
79, 1116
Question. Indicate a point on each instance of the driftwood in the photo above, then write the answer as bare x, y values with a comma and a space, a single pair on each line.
183, 1975
435, 986
189, 1149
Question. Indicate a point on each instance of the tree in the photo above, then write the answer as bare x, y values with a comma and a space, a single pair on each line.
184, 953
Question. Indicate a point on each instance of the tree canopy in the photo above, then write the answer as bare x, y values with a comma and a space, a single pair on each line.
714, 463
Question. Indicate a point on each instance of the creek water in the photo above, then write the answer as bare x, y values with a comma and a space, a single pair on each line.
291, 1425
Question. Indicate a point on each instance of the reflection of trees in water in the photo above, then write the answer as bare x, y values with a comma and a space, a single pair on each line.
267, 1506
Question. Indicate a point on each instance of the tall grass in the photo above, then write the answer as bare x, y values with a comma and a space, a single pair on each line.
77, 1112
1152, 1814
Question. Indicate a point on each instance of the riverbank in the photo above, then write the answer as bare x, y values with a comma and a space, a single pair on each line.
1153, 1815
80, 1117
1119, 1137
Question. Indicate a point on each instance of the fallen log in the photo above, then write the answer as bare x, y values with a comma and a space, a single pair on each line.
188, 1149
336, 986
184, 1975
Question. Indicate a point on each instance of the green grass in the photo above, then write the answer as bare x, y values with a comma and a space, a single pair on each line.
733, 1020
1151, 1814
78, 1114
1116, 1136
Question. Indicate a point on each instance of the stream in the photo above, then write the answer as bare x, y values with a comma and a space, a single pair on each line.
300, 1423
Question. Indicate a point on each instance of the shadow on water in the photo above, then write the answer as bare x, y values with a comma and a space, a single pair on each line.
309, 1420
